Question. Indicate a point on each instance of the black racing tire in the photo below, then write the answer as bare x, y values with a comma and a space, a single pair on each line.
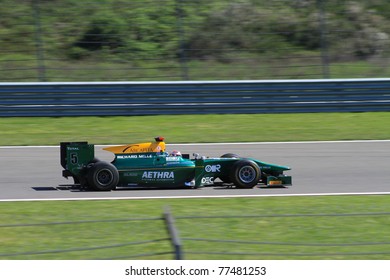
226, 179
245, 174
102, 176
76, 180
95, 160
229, 155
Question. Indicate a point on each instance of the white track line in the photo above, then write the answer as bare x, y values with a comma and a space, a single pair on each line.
288, 142
221, 144
197, 196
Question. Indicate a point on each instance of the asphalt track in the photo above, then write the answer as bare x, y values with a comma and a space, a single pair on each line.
318, 168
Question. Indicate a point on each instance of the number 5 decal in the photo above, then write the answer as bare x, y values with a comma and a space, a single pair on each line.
74, 158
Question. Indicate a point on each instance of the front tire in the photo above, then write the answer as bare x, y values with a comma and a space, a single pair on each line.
226, 179
229, 155
245, 174
103, 176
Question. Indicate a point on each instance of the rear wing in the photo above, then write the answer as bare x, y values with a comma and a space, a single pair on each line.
75, 156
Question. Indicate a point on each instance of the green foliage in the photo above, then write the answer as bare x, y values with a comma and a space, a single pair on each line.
266, 28
246, 31
104, 31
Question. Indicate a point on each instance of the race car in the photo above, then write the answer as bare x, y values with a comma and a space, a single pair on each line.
149, 165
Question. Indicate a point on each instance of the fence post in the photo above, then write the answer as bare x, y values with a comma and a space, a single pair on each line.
38, 41
182, 51
323, 39
173, 234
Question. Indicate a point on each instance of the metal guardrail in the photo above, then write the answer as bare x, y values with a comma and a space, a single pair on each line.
197, 97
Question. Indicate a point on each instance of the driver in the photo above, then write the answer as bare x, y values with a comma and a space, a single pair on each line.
175, 153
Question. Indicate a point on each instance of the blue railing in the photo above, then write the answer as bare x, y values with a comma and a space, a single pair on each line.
197, 97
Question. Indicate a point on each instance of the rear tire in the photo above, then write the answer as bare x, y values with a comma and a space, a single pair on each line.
245, 174
103, 176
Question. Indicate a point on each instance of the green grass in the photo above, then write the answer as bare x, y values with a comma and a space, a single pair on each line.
299, 229
196, 128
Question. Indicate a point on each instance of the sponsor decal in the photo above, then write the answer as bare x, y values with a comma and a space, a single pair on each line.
131, 148
127, 156
213, 168
130, 174
173, 158
207, 180
133, 156
165, 175
145, 156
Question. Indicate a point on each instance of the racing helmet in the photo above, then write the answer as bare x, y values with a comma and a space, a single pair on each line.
175, 153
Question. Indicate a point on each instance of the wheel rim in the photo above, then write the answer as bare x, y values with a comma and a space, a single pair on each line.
247, 174
104, 177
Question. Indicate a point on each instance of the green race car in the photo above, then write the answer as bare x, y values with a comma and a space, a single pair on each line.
149, 165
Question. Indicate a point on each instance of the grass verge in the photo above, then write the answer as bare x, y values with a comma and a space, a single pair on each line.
196, 128
343, 227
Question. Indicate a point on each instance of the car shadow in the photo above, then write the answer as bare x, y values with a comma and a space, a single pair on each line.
255, 187
76, 188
